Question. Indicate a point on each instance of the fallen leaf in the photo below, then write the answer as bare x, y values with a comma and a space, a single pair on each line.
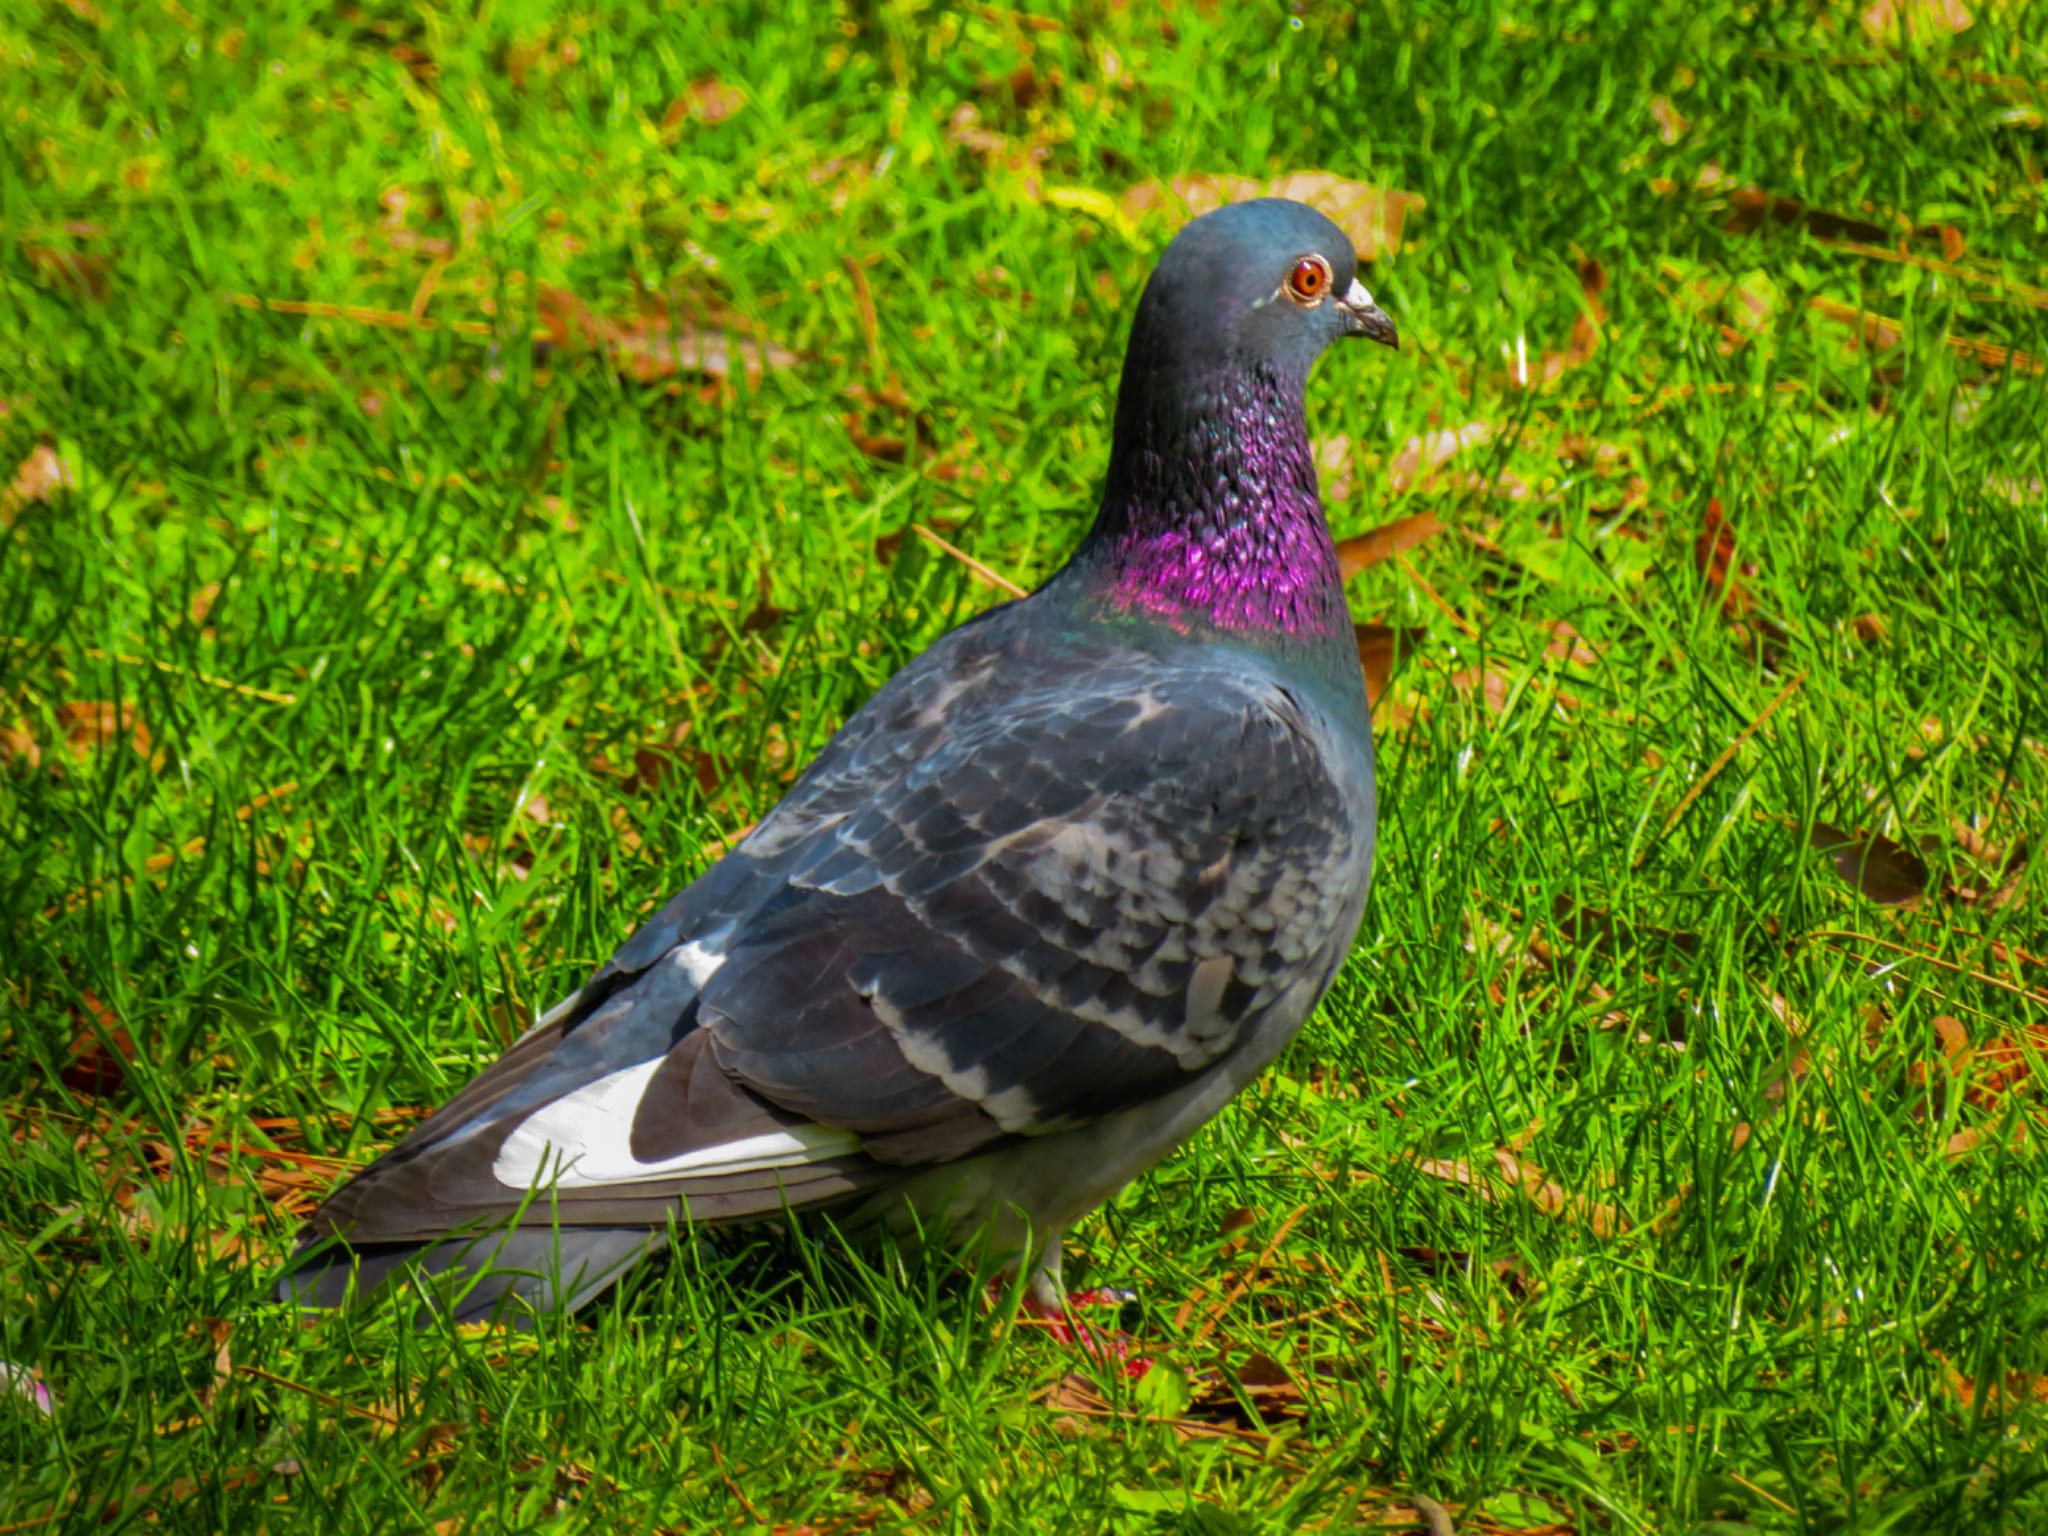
18, 744
93, 723
1385, 542
655, 345
82, 274
1585, 336
1382, 648
40, 476
1886, 872
1917, 21
1750, 208
1542, 1191
1714, 555
1881, 333
2003, 1394
1671, 123
1415, 465
709, 101
96, 1066
1371, 216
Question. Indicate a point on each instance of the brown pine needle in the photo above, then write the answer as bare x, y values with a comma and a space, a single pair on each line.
1436, 597
390, 319
121, 659
994, 578
1250, 1275
1384, 542
1912, 952
374, 1415
1727, 756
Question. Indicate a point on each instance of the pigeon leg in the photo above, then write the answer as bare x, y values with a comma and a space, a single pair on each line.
1100, 1296
1059, 1320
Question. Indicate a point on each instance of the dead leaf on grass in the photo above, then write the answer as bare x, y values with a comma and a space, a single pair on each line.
89, 724
1750, 208
1671, 123
1884, 871
709, 101
1882, 334
1530, 1181
1918, 21
1372, 216
2002, 1394
81, 274
1415, 465
96, 1066
1585, 334
1386, 541
39, 477
1382, 648
655, 345
1714, 555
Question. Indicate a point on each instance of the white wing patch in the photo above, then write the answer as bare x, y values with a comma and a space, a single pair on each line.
584, 1140
700, 959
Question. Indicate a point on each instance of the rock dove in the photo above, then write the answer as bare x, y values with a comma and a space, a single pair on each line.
1066, 884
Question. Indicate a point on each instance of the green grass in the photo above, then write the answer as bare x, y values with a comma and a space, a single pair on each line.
367, 681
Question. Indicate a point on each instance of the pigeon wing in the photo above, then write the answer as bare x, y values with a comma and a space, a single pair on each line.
1073, 904
984, 912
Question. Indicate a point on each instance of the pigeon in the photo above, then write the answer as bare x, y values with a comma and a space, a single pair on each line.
1066, 884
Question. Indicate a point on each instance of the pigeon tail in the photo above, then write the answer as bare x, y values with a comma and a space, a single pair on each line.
505, 1275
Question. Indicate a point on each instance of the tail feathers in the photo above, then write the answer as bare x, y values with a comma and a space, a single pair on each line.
504, 1275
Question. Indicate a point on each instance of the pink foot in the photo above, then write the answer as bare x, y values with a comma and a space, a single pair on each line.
1068, 1329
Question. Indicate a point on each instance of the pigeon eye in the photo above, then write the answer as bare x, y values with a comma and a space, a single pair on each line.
1309, 280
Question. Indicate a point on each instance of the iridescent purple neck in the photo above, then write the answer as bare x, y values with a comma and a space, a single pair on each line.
1211, 515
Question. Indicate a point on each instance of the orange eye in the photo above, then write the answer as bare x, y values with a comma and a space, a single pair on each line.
1310, 279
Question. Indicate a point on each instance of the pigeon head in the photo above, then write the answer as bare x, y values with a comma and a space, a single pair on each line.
1266, 284
1210, 514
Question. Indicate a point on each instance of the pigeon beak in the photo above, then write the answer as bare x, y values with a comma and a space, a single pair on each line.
1362, 317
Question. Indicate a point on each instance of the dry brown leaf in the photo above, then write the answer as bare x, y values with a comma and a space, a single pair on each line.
1882, 334
1414, 467
96, 1066
1585, 336
1568, 645
1918, 21
654, 345
39, 477
82, 274
709, 101
1385, 542
1381, 648
1542, 1191
2004, 1394
1750, 208
92, 723
1713, 552
18, 744
1371, 216
1671, 123
1886, 872
1333, 462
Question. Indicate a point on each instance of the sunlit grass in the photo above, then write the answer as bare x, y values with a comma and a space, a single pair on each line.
367, 672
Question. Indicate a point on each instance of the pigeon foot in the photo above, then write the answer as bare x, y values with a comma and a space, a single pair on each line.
1110, 1348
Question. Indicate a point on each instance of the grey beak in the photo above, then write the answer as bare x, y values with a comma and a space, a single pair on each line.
1362, 317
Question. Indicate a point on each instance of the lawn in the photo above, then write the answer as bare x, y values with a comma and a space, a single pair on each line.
456, 466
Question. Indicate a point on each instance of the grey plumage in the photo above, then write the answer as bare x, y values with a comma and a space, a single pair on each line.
1060, 889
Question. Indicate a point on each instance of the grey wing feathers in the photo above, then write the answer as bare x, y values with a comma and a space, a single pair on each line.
984, 912
1068, 908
